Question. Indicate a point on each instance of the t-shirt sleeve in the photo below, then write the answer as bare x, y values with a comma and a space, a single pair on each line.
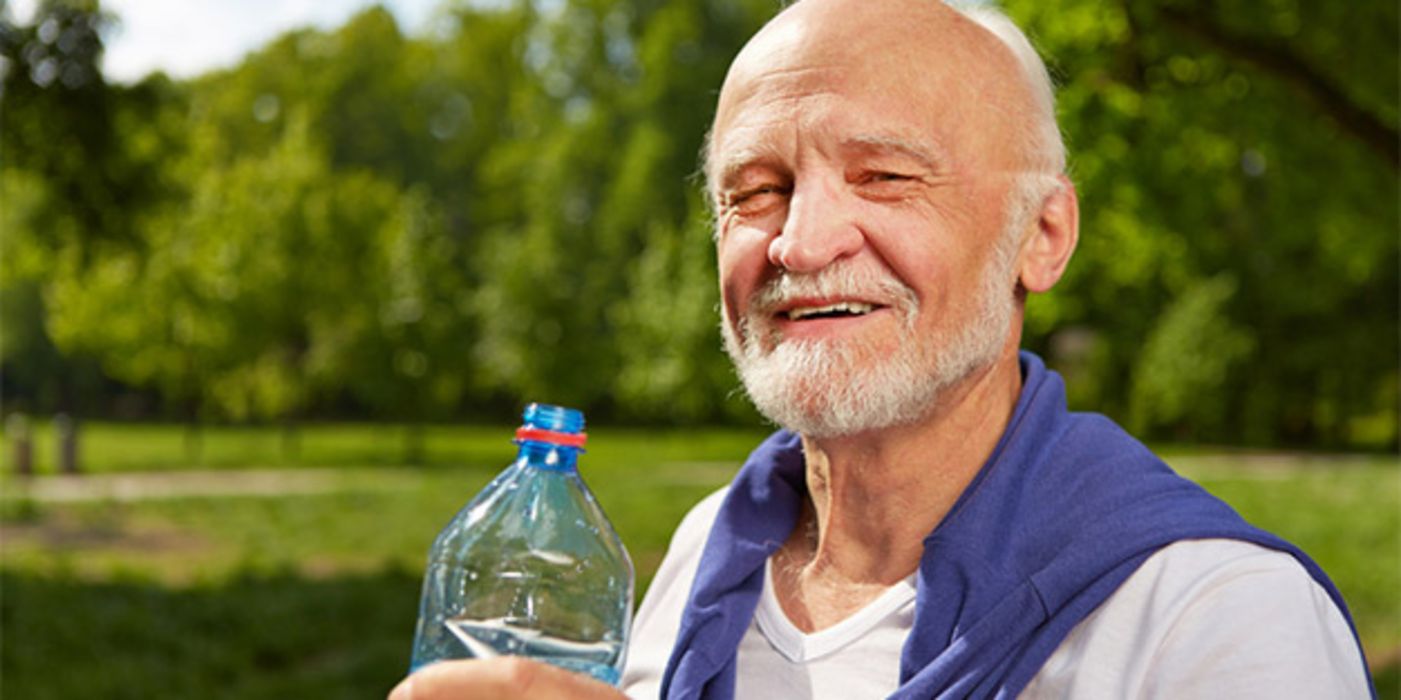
1210, 619
659, 617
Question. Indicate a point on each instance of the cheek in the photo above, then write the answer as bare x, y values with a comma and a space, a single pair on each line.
935, 250
914, 245
742, 255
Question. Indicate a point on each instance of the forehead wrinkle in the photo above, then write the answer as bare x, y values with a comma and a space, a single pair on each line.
763, 141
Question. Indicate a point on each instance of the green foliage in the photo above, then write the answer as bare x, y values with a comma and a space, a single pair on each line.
358, 221
600, 291
1229, 141
1187, 358
80, 166
59, 116
220, 311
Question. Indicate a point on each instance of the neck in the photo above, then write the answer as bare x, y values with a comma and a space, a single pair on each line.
873, 497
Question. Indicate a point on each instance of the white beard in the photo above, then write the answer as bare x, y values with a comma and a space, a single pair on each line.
833, 388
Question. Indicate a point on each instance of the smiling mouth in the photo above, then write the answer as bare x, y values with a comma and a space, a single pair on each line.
841, 309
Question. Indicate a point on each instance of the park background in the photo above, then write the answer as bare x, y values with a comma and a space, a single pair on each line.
287, 311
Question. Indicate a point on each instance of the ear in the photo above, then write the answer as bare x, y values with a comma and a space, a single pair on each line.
1048, 248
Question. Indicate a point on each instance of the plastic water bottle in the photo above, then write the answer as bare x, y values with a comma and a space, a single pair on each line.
531, 566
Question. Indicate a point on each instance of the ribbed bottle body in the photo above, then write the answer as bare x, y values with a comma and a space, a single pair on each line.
530, 567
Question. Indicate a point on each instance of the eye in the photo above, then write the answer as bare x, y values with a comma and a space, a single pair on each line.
882, 176
886, 184
756, 199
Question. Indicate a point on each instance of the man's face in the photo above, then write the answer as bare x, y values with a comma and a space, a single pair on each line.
861, 174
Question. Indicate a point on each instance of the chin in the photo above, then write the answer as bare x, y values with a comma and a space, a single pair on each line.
828, 390
836, 388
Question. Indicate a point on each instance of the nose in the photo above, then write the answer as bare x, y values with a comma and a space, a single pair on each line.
817, 231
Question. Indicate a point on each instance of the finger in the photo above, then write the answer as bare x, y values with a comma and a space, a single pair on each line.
504, 677
403, 691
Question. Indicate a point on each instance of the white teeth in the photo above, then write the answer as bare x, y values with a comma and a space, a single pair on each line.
855, 308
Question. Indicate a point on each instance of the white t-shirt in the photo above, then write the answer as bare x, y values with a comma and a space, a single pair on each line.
1199, 619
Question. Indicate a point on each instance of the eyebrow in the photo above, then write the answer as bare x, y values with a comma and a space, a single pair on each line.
728, 170
926, 154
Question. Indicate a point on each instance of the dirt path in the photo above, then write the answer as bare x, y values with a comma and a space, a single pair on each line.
141, 486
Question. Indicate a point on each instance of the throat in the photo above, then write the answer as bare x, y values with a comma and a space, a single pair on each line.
820, 577
814, 597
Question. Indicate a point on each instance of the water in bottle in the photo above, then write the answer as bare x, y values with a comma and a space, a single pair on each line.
531, 566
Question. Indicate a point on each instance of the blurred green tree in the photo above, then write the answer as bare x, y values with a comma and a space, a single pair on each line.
59, 122
251, 295
600, 287
74, 182
506, 207
1247, 141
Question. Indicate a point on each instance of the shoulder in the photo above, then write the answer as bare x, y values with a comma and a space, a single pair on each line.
659, 617
1210, 618
1230, 579
695, 526
678, 567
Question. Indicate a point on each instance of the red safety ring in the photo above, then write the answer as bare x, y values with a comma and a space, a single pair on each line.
551, 436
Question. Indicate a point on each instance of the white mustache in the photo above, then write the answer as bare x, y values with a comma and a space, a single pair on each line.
835, 282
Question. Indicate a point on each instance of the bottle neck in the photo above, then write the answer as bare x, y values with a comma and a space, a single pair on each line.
544, 455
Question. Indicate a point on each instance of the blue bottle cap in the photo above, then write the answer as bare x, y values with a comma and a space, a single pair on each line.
553, 424
553, 418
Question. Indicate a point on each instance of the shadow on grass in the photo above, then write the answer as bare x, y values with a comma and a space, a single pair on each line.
253, 636
1388, 682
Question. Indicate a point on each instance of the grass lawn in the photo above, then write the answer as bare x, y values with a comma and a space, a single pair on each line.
313, 593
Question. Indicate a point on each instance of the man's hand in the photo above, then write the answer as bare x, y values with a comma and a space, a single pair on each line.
501, 677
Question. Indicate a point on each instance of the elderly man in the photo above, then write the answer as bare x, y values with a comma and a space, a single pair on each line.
931, 522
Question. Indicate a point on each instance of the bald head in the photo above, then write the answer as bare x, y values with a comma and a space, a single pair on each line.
970, 66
